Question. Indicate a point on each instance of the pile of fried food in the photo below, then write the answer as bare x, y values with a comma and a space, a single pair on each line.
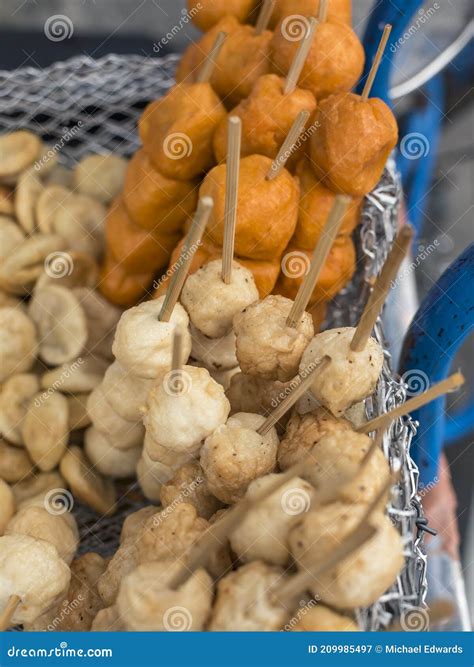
243, 425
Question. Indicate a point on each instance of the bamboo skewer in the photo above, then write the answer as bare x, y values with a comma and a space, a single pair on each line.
264, 16
323, 10
318, 259
234, 134
300, 58
381, 289
190, 246
376, 64
290, 399
449, 384
207, 68
7, 614
288, 146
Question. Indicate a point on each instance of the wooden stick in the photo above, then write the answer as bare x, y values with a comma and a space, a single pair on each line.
320, 255
381, 288
190, 246
300, 58
234, 135
264, 16
7, 614
451, 383
288, 147
323, 10
377, 60
177, 352
303, 383
207, 68
438, 612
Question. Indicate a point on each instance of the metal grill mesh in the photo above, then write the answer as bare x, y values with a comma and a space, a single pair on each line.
103, 100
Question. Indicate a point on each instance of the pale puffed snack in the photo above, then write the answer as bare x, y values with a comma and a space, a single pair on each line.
110, 460
102, 318
142, 343
15, 464
18, 151
45, 429
135, 522
147, 603
18, 342
27, 193
245, 602
27, 262
252, 393
72, 269
188, 485
263, 533
121, 433
15, 396
361, 578
79, 376
100, 176
266, 345
211, 303
7, 505
350, 377
39, 483
87, 485
152, 475
124, 560
33, 570
49, 202
319, 618
80, 220
43, 523
235, 454
11, 237
126, 393
61, 324
169, 457
77, 411
107, 620
184, 407
216, 354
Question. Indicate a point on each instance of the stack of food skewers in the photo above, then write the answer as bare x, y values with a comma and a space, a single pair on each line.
227, 544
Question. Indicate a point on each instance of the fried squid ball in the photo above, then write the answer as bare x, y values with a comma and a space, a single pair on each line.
124, 561
245, 602
215, 354
235, 454
143, 344
267, 116
243, 58
206, 13
267, 209
15, 464
338, 10
125, 392
169, 534
18, 342
303, 432
122, 434
7, 505
338, 456
322, 619
146, 603
108, 459
353, 141
361, 578
177, 129
152, 474
316, 202
33, 570
108, 620
266, 345
263, 534
251, 393
40, 523
135, 522
211, 303
188, 485
16, 394
334, 63
181, 420
350, 377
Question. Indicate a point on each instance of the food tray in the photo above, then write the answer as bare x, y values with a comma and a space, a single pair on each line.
83, 106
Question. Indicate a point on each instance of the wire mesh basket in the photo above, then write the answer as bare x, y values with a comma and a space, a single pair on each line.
83, 106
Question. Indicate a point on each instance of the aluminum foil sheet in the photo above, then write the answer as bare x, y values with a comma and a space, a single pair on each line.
85, 106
